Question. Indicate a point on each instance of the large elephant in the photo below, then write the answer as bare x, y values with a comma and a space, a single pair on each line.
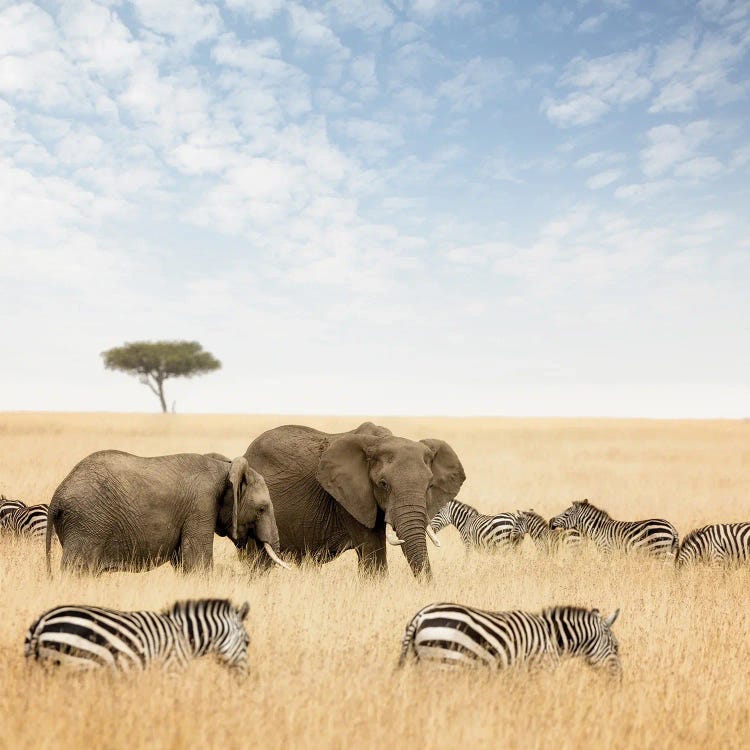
116, 511
334, 492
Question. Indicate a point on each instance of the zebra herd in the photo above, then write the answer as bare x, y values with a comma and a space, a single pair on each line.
89, 637
717, 543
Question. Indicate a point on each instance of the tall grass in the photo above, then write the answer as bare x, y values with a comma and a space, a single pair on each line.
325, 642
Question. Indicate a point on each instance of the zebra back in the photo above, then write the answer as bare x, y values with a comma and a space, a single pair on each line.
721, 542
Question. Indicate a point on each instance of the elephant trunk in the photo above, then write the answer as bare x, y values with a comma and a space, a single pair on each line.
410, 522
267, 536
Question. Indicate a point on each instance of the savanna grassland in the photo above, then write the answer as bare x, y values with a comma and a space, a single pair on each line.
325, 642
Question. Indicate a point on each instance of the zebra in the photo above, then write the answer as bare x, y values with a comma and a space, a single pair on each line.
719, 542
454, 634
25, 520
531, 523
87, 637
8, 506
655, 535
476, 530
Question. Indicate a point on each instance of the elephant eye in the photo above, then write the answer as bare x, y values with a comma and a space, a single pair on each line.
383, 484
262, 509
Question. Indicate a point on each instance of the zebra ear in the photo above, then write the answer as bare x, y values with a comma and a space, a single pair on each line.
595, 611
608, 622
243, 610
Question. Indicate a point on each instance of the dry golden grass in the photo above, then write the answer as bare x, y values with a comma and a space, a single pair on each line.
325, 643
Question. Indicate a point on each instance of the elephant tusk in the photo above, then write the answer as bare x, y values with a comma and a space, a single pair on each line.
391, 536
433, 537
269, 551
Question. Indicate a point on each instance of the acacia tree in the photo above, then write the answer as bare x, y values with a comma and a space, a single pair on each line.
153, 362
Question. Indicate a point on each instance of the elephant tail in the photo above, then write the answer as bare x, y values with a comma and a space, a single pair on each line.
407, 642
52, 515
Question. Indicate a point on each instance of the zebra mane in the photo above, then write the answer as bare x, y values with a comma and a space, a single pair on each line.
568, 611
468, 507
183, 605
692, 535
531, 513
587, 504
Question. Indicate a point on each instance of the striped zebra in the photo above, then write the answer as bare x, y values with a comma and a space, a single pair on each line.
453, 634
531, 523
717, 543
24, 520
655, 535
92, 637
7, 506
476, 530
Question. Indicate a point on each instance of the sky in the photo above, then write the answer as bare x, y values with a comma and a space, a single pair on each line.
379, 207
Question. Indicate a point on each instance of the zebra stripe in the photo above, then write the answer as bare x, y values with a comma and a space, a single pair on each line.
454, 634
717, 543
531, 523
655, 535
7, 507
87, 637
476, 530
26, 520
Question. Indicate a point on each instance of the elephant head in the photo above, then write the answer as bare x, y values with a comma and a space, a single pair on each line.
246, 511
382, 479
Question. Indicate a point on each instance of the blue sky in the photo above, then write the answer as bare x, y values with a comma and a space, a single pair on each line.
379, 206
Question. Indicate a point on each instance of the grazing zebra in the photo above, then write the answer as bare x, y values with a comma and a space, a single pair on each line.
25, 520
454, 634
90, 637
719, 542
531, 523
655, 535
476, 530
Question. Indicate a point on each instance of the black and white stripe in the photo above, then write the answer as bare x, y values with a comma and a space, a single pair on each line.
655, 535
90, 637
7, 506
24, 520
717, 543
454, 634
476, 530
531, 523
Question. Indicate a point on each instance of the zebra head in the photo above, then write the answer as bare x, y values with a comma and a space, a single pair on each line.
215, 626
584, 632
453, 512
572, 517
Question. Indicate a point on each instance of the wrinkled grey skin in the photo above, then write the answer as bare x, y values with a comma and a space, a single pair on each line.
116, 511
335, 492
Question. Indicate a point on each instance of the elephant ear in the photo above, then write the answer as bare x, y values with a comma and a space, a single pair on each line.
343, 472
240, 474
370, 428
447, 475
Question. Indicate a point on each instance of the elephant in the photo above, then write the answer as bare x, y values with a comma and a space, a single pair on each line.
354, 490
117, 511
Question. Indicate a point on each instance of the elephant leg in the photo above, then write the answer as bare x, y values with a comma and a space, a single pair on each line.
196, 548
372, 559
81, 557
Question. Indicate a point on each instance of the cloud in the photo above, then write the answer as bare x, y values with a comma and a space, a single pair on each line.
443, 9
599, 84
602, 179
592, 23
309, 28
671, 144
260, 10
699, 168
187, 22
476, 81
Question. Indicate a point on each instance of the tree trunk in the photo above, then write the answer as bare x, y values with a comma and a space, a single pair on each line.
160, 386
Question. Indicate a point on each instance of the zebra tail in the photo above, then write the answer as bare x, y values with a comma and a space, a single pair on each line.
407, 641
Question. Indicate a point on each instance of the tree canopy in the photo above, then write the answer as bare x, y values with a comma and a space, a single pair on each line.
153, 362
